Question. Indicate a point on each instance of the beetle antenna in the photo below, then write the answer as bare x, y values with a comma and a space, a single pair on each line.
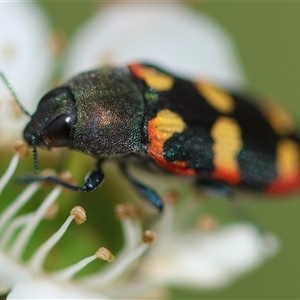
35, 155
13, 93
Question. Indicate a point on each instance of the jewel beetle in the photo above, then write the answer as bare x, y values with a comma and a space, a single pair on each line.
144, 114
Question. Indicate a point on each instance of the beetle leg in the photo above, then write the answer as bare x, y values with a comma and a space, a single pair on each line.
92, 181
215, 187
146, 192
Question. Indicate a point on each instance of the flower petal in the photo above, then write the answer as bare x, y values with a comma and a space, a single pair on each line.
11, 273
47, 289
210, 260
169, 34
25, 59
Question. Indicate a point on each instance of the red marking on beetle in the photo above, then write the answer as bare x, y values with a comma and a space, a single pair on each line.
137, 70
283, 185
155, 150
230, 176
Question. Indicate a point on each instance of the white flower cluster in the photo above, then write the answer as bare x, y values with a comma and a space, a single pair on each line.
193, 258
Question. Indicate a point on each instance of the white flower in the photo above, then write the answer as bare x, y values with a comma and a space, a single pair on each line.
25, 59
28, 279
167, 34
180, 254
189, 258
185, 258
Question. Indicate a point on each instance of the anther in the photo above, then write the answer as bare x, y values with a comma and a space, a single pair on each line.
207, 223
47, 173
148, 237
133, 211
21, 148
104, 254
79, 214
67, 177
270, 244
172, 197
16, 110
120, 211
52, 212
126, 211
58, 43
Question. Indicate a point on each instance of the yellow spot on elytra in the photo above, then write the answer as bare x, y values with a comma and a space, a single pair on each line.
279, 119
162, 127
227, 143
287, 158
156, 79
167, 123
217, 98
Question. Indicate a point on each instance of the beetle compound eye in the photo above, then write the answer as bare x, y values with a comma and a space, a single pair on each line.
56, 134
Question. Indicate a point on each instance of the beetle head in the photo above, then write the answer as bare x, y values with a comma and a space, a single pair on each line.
51, 124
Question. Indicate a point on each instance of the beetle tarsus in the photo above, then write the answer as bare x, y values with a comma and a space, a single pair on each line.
146, 192
93, 180
215, 187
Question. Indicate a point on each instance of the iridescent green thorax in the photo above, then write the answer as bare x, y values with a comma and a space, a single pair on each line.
110, 110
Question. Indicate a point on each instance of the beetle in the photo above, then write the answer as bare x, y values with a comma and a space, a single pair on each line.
144, 114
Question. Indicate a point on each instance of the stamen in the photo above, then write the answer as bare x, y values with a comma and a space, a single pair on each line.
67, 177
58, 42
188, 211
39, 257
14, 207
46, 173
207, 223
104, 254
71, 271
23, 238
126, 210
51, 212
13, 226
79, 214
172, 197
148, 237
121, 211
132, 211
270, 244
22, 149
115, 270
9, 172
131, 227
165, 226
131, 231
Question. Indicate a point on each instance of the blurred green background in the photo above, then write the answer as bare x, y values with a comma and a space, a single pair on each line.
267, 37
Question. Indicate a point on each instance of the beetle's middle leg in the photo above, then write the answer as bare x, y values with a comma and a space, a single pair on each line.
147, 193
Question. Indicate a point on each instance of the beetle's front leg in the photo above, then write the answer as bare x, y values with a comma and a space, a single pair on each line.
92, 180
146, 192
